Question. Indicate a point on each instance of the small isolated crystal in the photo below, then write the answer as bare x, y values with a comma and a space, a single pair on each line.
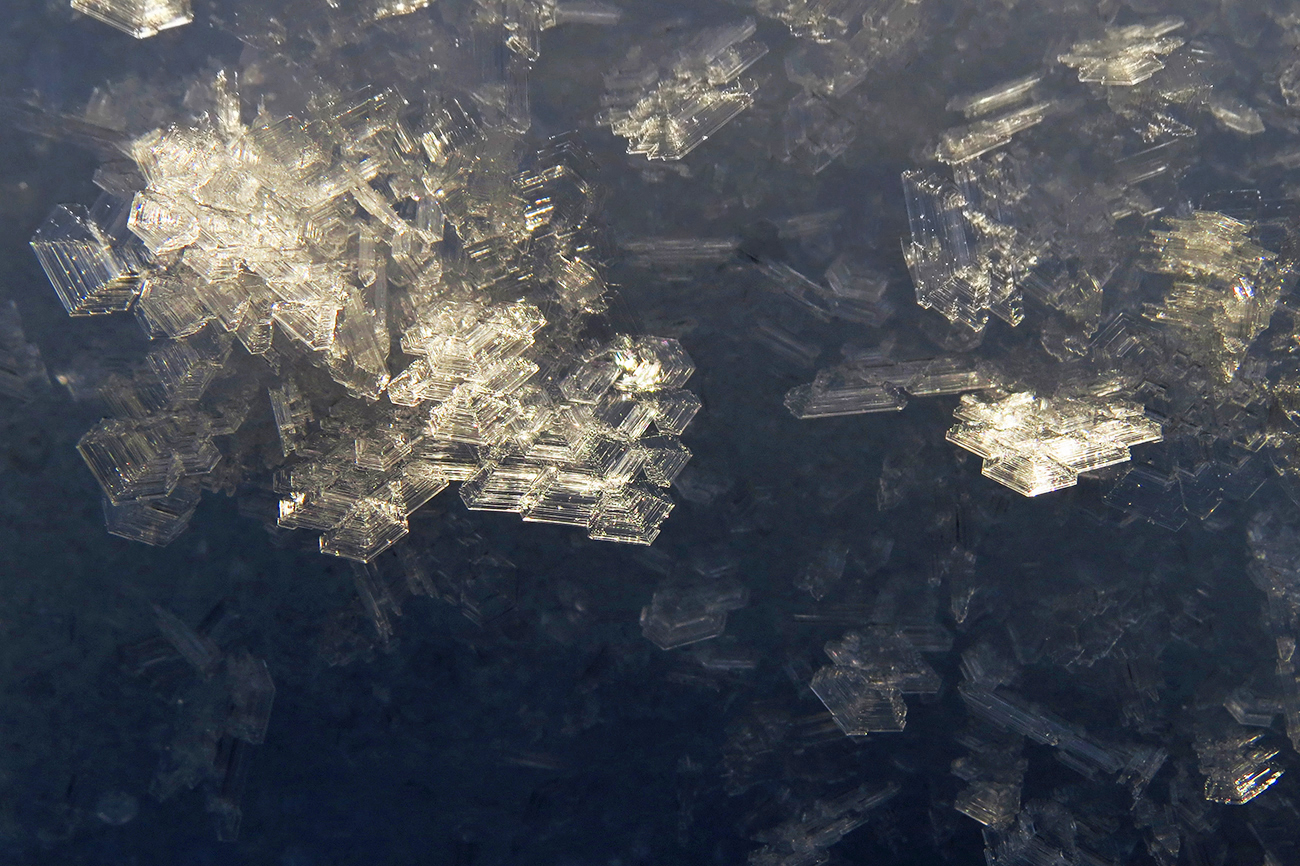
22, 372
871, 671
882, 386
993, 804
995, 98
968, 142
139, 18
1125, 56
670, 104
252, 692
859, 705
681, 615
1034, 445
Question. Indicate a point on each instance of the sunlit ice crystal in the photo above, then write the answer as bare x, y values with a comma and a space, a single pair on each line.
669, 104
139, 18
1225, 291
91, 273
1035, 445
321, 243
1124, 56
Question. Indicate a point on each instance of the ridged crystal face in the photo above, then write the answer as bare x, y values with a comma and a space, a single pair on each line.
139, 18
668, 105
989, 547
289, 257
1125, 56
1035, 445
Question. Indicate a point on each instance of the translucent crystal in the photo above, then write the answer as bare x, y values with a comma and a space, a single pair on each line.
995, 98
89, 275
878, 385
980, 137
139, 18
252, 693
1225, 291
1034, 445
993, 804
678, 616
22, 372
669, 106
859, 706
197, 649
888, 659
1125, 56
157, 521
129, 460
1236, 769
169, 307
804, 839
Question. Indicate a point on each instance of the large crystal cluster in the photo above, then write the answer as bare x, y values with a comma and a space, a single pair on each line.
1035, 444
401, 253
669, 103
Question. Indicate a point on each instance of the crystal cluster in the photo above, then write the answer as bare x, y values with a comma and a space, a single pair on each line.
1237, 769
324, 244
22, 372
1125, 56
1034, 445
139, 18
668, 103
1225, 287
679, 615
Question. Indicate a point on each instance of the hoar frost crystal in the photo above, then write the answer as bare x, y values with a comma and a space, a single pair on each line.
418, 305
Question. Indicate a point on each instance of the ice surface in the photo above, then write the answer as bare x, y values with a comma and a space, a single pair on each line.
883, 386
